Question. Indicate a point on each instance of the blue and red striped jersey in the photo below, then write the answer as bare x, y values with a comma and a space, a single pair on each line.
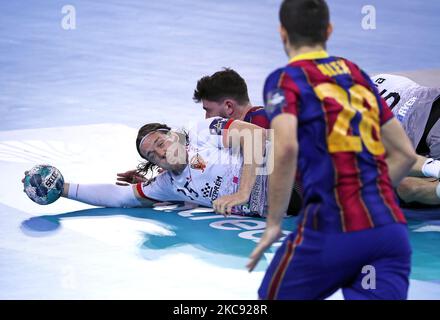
257, 116
341, 156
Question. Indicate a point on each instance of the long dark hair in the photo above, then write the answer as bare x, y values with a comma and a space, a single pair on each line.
146, 166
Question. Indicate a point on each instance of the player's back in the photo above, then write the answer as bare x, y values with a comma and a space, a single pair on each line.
412, 104
341, 157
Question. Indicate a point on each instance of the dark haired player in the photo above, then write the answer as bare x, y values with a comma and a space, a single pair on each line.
331, 123
224, 94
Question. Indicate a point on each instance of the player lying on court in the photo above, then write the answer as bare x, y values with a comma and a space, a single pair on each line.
213, 164
224, 94
418, 110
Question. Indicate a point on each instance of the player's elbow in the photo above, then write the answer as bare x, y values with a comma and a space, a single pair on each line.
412, 159
121, 203
123, 198
287, 151
408, 159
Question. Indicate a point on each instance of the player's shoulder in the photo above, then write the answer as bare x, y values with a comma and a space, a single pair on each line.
273, 79
257, 115
358, 75
275, 89
393, 80
217, 124
256, 110
207, 132
354, 68
281, 78
351, 64
207, 124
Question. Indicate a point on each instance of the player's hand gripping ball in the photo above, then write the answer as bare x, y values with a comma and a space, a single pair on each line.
43, 184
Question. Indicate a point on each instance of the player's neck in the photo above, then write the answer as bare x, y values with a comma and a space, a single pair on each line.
293, 52
242, 112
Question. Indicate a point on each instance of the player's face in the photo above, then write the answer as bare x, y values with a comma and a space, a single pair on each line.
214, 109
163, 149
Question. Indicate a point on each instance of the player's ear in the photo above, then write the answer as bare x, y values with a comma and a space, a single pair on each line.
329, 30
229, 106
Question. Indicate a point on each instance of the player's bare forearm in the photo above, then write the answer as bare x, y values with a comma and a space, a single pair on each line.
398, 168
252, 141
416, 170
247, 179
422, 190
425, 167
285, 152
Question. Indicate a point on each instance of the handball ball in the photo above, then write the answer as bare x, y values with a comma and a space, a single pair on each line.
43, 184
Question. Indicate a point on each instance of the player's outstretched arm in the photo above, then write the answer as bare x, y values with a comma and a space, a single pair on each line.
400, 155
250, 140
281, 181
106, 195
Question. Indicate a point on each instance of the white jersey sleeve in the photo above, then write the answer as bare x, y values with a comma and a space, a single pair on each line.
412, 105
159, 189
394, 88
209, 132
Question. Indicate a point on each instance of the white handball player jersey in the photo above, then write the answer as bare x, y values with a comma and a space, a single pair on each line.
410, 103
212, 172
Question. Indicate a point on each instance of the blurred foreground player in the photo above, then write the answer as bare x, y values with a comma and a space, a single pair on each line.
330, 121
